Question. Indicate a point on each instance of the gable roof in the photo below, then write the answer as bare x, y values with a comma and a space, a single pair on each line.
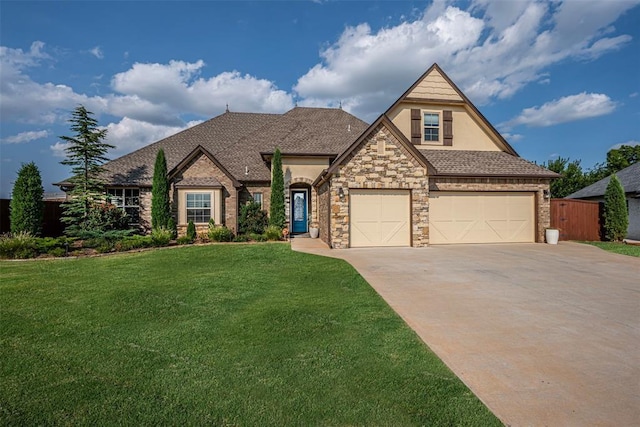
234, 142
629, 178
463, 101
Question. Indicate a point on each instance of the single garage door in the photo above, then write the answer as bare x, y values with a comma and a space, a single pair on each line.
379, 218
460, 217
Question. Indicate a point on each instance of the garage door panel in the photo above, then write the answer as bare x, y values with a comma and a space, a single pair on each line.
481, 217
379, 218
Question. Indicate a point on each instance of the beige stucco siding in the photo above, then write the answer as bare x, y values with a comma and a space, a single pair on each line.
434, 86
303, 169
468, 133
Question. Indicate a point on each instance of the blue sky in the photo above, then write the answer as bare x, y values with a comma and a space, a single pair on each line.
556, 78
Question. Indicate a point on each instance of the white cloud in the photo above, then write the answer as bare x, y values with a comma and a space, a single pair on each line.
512, 137
97, 52
23, 137
59, 149
631, 143
566, 109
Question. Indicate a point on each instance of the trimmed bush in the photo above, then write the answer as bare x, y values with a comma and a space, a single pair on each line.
184, 240
252, 219
273, 232
134, 242
616, 217
18, 246
191, 231
258, 237
160, 205
241, 238
26, 206
161, 236
220, 234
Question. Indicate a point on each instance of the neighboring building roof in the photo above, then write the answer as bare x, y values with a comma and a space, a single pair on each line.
237, 139
483, 163
629, 178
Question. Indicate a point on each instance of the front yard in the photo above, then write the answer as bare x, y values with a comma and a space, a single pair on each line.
618, 248
220, 335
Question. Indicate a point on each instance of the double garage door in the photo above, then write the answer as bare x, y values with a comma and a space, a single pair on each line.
383, 217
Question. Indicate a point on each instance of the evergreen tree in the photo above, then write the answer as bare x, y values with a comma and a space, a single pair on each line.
276, 212
616, 217
86, 153
160, 207
27, 207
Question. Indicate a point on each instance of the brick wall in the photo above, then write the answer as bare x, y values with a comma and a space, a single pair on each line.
543, 206
381, 162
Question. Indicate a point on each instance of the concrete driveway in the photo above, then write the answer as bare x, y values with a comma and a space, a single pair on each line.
542, 334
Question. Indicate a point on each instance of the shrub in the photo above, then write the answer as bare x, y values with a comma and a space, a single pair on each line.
252, 219
26, 206
616, 217
105, 217
134, 242
161, 236
57, 252
220, 234
18, 246
273, 232
241, 238
191, 231
47, 244
184, 240
171, 225
258, 237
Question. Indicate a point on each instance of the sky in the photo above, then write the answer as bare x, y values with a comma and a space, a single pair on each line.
556, 78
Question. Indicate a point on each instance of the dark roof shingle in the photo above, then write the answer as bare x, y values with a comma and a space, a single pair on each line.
629, 178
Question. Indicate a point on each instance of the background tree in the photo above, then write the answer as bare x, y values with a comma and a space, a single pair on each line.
276, 212
616, 217
86, 153
27, 207
571, 177
160, 206
620, 158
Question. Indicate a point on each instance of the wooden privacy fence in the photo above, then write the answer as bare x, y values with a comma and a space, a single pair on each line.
51, 225
577, 219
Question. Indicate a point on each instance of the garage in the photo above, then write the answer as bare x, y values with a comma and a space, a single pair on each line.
481, 217
380, 218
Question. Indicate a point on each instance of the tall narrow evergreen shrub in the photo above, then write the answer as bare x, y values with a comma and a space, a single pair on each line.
27, 207
160, 207
276, 212
616, 217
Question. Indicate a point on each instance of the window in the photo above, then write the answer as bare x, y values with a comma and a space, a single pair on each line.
257, 197
431, 127
198, 207
127, 199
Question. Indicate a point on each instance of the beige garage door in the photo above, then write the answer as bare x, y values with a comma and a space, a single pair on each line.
379, 218
481, 217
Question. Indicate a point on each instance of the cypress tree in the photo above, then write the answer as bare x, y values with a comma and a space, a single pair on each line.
160, 207
27, 207
86, 153
616, 217
276, 212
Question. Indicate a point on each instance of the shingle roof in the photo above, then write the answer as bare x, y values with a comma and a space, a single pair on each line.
236, 140
483, 163
199, 182
629, 178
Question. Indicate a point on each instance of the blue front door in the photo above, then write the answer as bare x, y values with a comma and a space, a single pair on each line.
299, 211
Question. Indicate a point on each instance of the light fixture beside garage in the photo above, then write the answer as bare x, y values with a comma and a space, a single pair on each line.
546, 194
341, 193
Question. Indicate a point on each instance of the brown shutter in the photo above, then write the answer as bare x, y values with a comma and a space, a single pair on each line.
447, 127
416, 124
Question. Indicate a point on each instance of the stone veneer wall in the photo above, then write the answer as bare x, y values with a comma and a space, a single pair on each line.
543, 206
203, 167
145, 209
324, 197
381, 162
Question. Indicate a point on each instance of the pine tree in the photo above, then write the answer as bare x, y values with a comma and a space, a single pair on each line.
616, 217
276, 211
160, 207
86, 153
27, 207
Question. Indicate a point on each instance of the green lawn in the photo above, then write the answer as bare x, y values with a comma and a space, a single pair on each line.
619, 248
218, 335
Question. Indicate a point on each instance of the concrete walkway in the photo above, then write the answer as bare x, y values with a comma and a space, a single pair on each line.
542, 334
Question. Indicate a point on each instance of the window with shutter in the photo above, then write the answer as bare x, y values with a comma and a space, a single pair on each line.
416, 122
447, 127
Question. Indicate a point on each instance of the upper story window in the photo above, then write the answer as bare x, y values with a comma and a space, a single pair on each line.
431, 123
257, 197
199, 207
127, 199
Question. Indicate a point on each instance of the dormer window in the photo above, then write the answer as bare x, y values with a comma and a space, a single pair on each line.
431, 127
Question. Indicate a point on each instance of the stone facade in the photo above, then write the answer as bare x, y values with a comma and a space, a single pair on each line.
380, 162
145, 209
323, 207
543, 206
202, 167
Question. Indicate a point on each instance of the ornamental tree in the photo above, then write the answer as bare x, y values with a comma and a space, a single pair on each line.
616, 217
276, 211
86, 154
160, 206
27, 207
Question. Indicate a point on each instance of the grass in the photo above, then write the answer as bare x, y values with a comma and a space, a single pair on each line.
618, 248
220, 335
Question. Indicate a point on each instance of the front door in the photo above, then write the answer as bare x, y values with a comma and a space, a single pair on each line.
299, 211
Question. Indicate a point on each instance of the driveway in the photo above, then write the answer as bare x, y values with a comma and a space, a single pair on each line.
542, 334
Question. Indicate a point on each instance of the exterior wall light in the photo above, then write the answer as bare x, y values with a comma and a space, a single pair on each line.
341, 193
546, 194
